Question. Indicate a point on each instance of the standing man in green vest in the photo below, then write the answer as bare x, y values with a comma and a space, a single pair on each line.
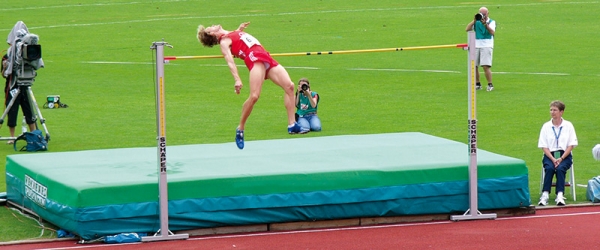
484, 28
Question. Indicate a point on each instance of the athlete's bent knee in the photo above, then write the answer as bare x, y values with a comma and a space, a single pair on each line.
253, 97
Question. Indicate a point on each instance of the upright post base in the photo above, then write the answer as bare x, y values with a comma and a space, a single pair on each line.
475, 215
163, 236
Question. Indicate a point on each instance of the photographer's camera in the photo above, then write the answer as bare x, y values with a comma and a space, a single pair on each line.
304, 87
479, 16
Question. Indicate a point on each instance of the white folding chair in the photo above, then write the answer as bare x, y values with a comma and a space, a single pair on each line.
569, 181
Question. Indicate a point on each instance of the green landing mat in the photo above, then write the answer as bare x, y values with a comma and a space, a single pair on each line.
299, 167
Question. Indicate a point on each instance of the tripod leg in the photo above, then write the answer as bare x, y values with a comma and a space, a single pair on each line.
37, 112
8, 107
24, 125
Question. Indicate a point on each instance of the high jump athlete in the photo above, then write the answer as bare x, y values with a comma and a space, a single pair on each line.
262, 66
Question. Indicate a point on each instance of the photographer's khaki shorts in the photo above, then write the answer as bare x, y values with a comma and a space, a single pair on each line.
484, 56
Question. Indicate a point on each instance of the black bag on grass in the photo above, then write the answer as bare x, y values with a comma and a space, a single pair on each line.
35, 141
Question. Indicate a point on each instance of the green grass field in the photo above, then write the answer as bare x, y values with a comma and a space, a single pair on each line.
98, 59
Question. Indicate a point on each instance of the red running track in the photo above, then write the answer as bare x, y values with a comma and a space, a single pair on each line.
556, 228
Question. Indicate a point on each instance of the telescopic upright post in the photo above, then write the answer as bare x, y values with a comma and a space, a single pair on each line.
473, 212
163, 233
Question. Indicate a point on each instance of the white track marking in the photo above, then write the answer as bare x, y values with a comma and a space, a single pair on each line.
459, 72
87, 5
253, 15
409, 70
548, 216
346, 229
292, 67
356, 69
285, 13
533, 73
385, 226
103, 62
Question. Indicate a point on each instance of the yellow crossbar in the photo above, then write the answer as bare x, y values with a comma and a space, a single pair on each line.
168, 58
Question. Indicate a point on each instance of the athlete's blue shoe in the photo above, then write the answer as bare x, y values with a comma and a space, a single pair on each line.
239, 138
297, 129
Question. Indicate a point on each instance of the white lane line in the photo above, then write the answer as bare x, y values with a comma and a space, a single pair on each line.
293, 67
459, 72
408, 70
104, 62
384, 226
347, 229
355, 69
533, 73
548, 216
85, 5
286, 13
264, 14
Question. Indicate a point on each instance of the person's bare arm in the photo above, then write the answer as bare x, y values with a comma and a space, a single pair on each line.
298, 93
225, 44
488, 28
311, 99
470, 26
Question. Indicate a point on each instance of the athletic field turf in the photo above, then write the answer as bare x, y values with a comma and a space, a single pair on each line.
98, 59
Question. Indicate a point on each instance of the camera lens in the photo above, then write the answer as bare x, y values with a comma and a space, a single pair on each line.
304, 87
478, 16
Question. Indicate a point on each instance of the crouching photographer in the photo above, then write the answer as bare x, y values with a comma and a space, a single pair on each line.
307, 102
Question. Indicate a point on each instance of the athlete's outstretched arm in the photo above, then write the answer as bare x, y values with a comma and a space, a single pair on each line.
225, 45
243, 26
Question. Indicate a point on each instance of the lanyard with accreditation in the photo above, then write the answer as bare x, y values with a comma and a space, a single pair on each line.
557, 153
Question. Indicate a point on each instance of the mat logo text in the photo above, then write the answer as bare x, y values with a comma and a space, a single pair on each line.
35, 191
